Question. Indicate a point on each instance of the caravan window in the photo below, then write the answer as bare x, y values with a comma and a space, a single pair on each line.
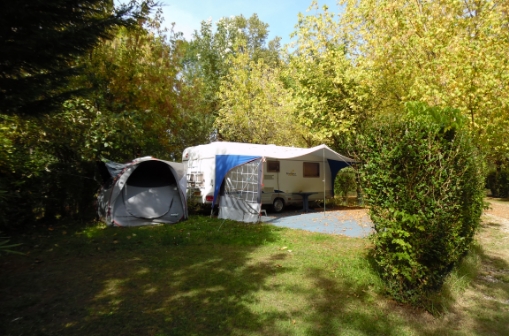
311, 169
273, 166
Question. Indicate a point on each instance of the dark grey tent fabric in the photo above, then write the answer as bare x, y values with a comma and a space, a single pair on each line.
115, 168
143, 192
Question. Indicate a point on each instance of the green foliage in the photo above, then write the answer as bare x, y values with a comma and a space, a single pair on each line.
137, 107
424, 181
20, 169
345, 182
255, 107
498, 182
444, 53
49, 166
6, 248
207, 55
40, 41
47, 163
135, 80
327, 93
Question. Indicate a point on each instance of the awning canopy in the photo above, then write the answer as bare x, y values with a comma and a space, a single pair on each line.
232, 154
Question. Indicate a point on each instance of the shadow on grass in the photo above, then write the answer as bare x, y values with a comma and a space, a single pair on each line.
485, 307
337, 311
495, 297
202, 277
187, 279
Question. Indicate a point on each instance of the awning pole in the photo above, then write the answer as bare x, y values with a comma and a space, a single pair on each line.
323, 168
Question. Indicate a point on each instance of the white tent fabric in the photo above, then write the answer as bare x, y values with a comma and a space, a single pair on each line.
268, 151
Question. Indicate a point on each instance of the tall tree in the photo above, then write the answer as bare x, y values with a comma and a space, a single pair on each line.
329, 99
40, 40
133, 109
255, 106
208, 51
138, 74
445, 53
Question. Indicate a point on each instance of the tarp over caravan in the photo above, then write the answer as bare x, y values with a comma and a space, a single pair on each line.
142, 192
238, 173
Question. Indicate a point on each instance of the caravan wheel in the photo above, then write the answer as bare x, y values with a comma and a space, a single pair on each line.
278, 205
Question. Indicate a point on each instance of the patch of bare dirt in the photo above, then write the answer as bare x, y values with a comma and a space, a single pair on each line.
498, 213
499, 208
359, 215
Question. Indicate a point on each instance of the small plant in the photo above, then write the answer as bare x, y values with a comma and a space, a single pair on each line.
5, 247
194, 204
345, 183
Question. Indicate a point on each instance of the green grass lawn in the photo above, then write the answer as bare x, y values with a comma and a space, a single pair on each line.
209, 277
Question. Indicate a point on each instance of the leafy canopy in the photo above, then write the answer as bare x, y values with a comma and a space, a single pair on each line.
327, 93
255, 106
444, 53
40, 41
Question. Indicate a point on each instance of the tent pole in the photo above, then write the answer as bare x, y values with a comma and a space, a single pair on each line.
323, 168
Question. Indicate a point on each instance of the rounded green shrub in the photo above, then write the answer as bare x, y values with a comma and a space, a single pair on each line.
345, 183
498, 182
424, 180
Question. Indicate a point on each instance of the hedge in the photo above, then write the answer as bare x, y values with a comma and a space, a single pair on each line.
424, 180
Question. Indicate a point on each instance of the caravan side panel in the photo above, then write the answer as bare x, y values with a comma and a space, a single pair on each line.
291, 177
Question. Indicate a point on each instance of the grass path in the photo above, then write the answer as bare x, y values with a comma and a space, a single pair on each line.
480, 303
209, 277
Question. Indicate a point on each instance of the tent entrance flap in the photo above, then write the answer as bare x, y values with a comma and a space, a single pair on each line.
149, 191
224, 163
148, 203
241, 193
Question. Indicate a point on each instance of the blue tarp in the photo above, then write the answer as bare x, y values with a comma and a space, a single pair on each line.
224, 163
332, 221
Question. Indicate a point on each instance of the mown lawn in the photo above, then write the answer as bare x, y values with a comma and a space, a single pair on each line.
209, 277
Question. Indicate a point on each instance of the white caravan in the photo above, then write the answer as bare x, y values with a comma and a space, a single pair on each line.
240, 177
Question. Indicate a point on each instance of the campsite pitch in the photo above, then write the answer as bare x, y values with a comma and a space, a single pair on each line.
351, 222
206, 276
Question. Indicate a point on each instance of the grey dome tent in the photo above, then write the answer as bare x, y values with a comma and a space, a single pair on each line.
142, 192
